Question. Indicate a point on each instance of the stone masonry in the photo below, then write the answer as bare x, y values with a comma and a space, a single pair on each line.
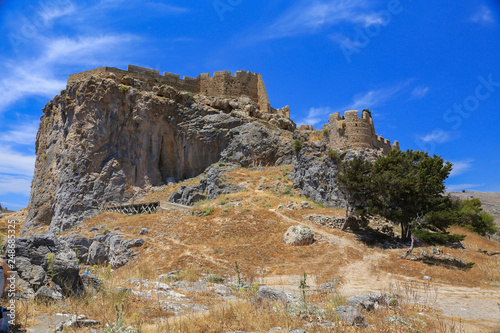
243, 83
353, 132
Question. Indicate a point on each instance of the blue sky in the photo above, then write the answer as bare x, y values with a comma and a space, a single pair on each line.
429, 72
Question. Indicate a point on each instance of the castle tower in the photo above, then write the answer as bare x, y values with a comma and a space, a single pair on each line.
353, 132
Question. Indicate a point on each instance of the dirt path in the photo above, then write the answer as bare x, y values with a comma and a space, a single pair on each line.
478, 308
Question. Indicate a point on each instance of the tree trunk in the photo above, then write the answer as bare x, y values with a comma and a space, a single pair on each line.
405, 232
344, 225
407, 253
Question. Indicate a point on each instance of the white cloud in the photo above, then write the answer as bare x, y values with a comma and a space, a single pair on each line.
460, 167
482, 16
12, 206
83, 49
37, 76
24, 133
439, 136
419, 92
316, 116
166, 9
312, 16
14, 185
459, 187
376, 97
369, 99
15, 163
53, 10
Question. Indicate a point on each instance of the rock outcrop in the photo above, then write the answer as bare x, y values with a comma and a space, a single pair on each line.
43, 260
104, 248
315, 173
210, 187
104, 139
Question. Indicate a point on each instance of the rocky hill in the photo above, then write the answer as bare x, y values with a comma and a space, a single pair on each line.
106, 138
113, 135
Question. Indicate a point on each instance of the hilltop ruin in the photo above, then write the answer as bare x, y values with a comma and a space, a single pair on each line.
243, 83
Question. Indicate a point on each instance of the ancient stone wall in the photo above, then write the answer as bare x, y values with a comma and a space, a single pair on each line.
243, 83
352, 132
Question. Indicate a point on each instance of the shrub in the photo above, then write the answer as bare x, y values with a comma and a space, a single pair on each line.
297, 145
465, 213
124, 89
50, 265
287, 191
207, 211
436, 237
333, 155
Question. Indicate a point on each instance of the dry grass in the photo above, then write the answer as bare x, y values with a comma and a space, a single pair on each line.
484, 272
244, 228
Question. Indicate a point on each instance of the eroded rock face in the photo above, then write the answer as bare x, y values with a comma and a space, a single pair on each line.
104, 139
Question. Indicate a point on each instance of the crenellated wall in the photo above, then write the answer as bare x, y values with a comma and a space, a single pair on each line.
243, 83
353, 132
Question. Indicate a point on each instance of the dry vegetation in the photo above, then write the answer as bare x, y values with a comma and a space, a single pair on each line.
247, 228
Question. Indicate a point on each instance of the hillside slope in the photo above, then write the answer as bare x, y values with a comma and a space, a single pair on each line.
247, 227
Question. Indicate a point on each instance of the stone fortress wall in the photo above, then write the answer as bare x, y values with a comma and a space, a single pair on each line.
243, 83
354, 132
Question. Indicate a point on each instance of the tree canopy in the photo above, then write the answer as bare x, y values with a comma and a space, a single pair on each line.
403, 186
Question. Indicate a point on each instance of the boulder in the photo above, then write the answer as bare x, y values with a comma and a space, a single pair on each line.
97, 254
270, 294
46, 294
351, 315
223, 291
112, 248
298, 236
368, 301
91, 282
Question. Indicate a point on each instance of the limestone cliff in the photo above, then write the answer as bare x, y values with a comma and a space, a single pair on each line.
107, 137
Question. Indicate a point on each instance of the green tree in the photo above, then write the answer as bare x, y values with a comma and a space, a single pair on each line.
466, 213
354, 182
410, 185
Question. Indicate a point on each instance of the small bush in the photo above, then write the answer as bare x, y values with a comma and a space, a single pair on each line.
124, 89
297, 145
287, 191
207, 211
436, 237
334, 156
